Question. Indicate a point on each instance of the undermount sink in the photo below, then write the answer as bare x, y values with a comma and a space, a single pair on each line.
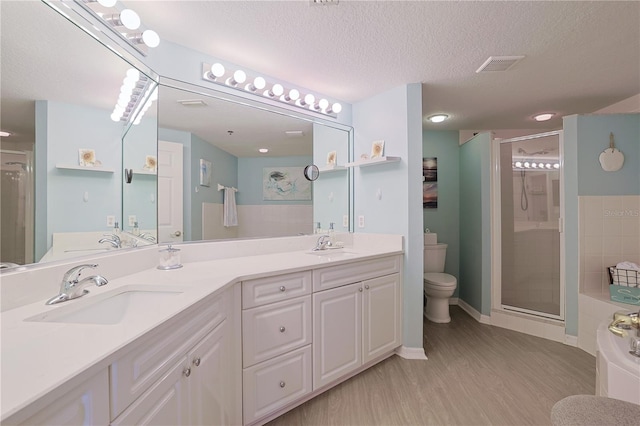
109, 308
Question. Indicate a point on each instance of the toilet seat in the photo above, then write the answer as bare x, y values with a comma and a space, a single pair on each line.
439, 279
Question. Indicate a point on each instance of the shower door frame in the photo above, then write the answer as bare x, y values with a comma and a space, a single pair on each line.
496, 255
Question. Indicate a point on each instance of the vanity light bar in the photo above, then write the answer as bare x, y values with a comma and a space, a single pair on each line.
124, 22
136, 88
216, 74
523, 165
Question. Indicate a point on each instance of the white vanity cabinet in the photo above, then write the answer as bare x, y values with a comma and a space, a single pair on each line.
87, 404
276, 335
357, 323
188, 373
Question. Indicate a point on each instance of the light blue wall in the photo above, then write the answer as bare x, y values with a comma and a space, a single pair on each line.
41, 244
445, 220
474, 280
585, 137
331, 189
250, 178
593, 138
394, 116
139, 197
68, 129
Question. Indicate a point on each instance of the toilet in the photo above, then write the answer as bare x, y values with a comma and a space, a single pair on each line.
438, 286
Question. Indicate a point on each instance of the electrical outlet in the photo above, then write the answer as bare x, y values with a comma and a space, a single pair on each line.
345, 221
111, 221
132, 220
361, 221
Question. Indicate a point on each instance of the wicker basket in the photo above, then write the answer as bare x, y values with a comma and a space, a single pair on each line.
624, 286
623, 277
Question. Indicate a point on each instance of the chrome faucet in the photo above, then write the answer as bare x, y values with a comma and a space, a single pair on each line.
71, 287
112, 239
322, 243
148, 237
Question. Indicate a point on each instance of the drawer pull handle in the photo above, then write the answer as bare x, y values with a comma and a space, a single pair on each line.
282, 288
187, 372
196, 362
367, 287
282, 329
360, 289
282, 384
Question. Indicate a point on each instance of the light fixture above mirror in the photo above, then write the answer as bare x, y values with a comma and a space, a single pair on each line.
215, 73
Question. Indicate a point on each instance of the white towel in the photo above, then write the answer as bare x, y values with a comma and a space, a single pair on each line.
630, 266
230, 216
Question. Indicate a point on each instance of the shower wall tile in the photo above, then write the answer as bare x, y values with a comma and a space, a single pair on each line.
609, 233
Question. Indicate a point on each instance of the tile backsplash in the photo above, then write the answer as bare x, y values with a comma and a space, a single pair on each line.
609, 233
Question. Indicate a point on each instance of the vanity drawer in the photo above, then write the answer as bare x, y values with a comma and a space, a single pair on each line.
274, 289
271, 330
133, 373
275, 383
339, 275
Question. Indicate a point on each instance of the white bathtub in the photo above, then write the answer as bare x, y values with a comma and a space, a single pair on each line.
617, 371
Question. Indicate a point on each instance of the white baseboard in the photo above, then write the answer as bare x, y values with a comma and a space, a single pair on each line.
411, 353
571, 340
482, 319
453, 301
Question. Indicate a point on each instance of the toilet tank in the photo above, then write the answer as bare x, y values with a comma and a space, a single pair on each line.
434, 257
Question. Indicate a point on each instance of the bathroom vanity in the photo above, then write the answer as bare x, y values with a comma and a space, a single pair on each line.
237, 336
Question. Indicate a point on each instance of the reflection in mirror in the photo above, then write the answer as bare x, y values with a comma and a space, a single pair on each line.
232, 189
63, 181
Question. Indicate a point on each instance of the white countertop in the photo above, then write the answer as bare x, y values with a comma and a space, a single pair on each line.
38, 357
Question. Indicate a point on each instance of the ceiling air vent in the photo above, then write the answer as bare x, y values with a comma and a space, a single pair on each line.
192, 102
499, 63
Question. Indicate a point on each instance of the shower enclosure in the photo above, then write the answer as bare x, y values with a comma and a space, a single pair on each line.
16, 215
529, 171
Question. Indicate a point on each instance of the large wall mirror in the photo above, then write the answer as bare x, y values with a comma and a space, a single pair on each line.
59, 88
212, 156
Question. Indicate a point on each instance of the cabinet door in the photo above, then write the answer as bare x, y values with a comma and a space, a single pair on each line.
211, 380
165, 403
382, 316
88, 404
337, 338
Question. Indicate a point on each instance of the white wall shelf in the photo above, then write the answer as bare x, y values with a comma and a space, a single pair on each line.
331, 168
373, 162
84, 169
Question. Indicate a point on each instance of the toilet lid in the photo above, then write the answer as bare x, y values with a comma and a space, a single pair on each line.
440, 279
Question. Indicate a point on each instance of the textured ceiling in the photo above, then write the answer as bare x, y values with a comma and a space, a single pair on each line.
580, 56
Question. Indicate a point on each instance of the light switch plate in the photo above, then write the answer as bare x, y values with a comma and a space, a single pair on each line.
361, 221
111, 221
132, 220
345, 221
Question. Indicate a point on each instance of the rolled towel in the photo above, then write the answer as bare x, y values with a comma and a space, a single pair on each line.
630, 266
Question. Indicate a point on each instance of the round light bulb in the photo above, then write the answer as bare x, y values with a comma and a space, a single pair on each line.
130, 19
309, 99
541, 165
240, 76
323, 104
548, 166
259, 83
534, 166
126, 88
277, 89
217, 70
294, 94
526, 164
115, 116
556, 166
150, 38
133, 74
518, 164
336, 107
107, 3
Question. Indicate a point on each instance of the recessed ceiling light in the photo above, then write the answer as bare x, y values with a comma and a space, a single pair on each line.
192, 102
438, 118
263, 150
294, 133
543, 117
4, 134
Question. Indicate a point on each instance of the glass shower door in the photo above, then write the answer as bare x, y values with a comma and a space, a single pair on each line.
530, 213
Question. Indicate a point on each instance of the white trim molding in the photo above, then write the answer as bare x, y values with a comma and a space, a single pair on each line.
571, 340
482, 319
453, 301
411, 353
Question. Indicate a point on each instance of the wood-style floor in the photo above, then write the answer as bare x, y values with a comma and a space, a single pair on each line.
476, 374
